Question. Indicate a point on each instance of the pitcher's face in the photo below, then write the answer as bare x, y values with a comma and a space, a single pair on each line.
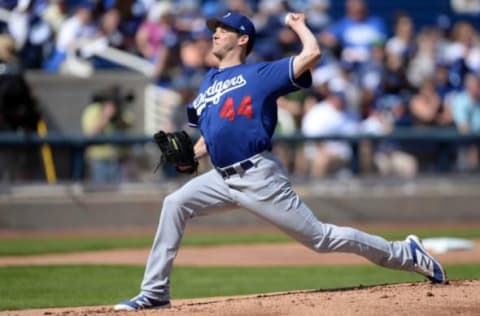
224, 40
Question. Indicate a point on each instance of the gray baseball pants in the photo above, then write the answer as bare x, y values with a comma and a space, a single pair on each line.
267, 193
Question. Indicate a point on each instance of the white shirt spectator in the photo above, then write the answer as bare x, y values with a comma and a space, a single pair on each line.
396, 45
22, 31
471, 55
323, 119
73, 30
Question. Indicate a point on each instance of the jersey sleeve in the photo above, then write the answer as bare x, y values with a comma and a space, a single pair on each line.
277, 77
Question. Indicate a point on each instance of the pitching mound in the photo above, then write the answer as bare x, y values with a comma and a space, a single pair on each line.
457, 298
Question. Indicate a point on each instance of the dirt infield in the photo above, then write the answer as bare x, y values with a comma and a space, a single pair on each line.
233, 255
457, 298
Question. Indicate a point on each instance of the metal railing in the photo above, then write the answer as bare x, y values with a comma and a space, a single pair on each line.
77, 143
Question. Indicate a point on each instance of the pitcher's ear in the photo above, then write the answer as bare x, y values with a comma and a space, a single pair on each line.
243, 39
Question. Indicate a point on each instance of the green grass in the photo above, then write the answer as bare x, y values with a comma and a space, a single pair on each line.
56, 286
33, 246
44, 245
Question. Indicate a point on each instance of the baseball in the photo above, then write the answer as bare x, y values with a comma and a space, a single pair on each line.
287, 18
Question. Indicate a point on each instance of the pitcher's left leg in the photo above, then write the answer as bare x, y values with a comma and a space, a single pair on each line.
269, 195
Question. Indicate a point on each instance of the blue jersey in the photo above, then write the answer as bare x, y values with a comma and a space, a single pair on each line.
236, 108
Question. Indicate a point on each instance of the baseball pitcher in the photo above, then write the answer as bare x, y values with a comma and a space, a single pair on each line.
236, 112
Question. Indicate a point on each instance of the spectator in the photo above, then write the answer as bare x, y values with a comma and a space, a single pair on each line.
317, 14
422, 64
466, 114
31, 33
187, 18
344, 74
289, 112
156, 39
466, 106
109, 29
132, 13
427, 107
356, 33
395, 78
402, 42
328, 117
75, 29
55, 14
195, 57
370, 79
268, 22
108, 35
287, 40
106, 116
443, 85
463, 53
391, 158
429, 110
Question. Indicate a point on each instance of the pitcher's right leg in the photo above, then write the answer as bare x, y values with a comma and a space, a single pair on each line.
197, 197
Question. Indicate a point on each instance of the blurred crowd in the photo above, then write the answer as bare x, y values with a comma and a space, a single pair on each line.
373, 77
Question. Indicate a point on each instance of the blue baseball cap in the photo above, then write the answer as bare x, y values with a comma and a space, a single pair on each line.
238, 22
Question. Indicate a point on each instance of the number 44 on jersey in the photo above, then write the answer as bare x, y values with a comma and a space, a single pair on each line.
245, 108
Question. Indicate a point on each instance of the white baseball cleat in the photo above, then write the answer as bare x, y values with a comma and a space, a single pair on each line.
141, 302
424, 263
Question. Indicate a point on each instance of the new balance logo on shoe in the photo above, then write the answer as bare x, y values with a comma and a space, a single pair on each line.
424, 263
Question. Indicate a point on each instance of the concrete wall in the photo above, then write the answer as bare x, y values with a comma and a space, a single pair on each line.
65, 97
78, 207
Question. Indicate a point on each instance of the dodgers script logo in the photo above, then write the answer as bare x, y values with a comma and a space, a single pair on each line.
216, 90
